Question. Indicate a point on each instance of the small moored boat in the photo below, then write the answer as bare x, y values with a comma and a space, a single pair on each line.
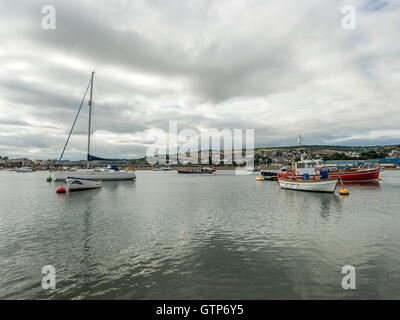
305, 183
75, 184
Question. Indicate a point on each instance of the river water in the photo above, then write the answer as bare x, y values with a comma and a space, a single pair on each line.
171, 236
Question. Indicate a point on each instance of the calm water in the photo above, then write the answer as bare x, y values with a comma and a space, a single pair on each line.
170, 236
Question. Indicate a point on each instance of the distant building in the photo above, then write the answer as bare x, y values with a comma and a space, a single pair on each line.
353, 154
19, 162
394, 154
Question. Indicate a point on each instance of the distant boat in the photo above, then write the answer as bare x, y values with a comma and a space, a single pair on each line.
204, 170
77, 184
24, 169
112, 173
162, 169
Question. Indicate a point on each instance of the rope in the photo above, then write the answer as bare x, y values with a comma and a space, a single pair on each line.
73, 125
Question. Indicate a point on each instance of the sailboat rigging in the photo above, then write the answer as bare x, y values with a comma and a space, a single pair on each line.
111, 173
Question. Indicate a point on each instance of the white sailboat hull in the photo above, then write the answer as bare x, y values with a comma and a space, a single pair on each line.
323, 185
94, 175
75, 184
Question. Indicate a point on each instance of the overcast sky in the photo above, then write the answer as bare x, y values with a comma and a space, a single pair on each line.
279, 67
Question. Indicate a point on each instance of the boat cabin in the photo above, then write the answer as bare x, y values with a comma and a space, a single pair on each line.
307, 166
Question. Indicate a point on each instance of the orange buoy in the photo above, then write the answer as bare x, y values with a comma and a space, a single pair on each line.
61, 190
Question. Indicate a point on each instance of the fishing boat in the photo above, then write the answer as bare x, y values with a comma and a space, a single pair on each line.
357, 175
111, 173
77, 184
24, 169
321, 183
347, 174
204, 170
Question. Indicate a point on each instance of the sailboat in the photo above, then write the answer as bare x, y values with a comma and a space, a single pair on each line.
111, 173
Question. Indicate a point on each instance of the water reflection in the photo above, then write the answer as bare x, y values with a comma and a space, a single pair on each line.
86, 237
167, 236
116, 185
298, 201
363, 185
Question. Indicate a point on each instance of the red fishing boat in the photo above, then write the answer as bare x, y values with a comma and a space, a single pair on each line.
356, 174
359, 174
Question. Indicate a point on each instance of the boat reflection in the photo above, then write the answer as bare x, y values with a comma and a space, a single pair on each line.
306, 202
364, 185
119, 185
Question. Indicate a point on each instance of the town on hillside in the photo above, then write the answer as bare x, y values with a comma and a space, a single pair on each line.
274, 156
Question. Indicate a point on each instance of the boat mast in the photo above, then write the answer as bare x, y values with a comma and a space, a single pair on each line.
90, 118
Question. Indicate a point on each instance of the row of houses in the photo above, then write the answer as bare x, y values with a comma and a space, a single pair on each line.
8, 163
22, 162
394, 154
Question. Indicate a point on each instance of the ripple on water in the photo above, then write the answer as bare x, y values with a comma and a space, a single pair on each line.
168, 236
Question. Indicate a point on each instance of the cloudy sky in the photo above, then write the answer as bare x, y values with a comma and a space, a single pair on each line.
280, 67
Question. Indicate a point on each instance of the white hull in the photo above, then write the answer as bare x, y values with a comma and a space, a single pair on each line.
75, 184
94, 175
325, 185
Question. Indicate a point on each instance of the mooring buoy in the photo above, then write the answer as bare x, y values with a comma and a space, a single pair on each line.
61, 190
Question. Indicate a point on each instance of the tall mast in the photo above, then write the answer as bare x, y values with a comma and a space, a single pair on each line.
90, 118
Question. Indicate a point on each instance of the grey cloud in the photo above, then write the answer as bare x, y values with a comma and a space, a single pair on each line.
293, 69
11, 122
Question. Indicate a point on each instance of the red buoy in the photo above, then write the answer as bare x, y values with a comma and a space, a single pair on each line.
61, 190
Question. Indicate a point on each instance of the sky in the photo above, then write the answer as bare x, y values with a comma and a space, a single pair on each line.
279, 67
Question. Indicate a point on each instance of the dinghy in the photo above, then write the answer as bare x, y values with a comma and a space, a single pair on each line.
306, 183
77, 184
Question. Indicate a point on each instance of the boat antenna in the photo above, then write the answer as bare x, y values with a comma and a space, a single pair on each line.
300, 139
90, 118
73, 125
